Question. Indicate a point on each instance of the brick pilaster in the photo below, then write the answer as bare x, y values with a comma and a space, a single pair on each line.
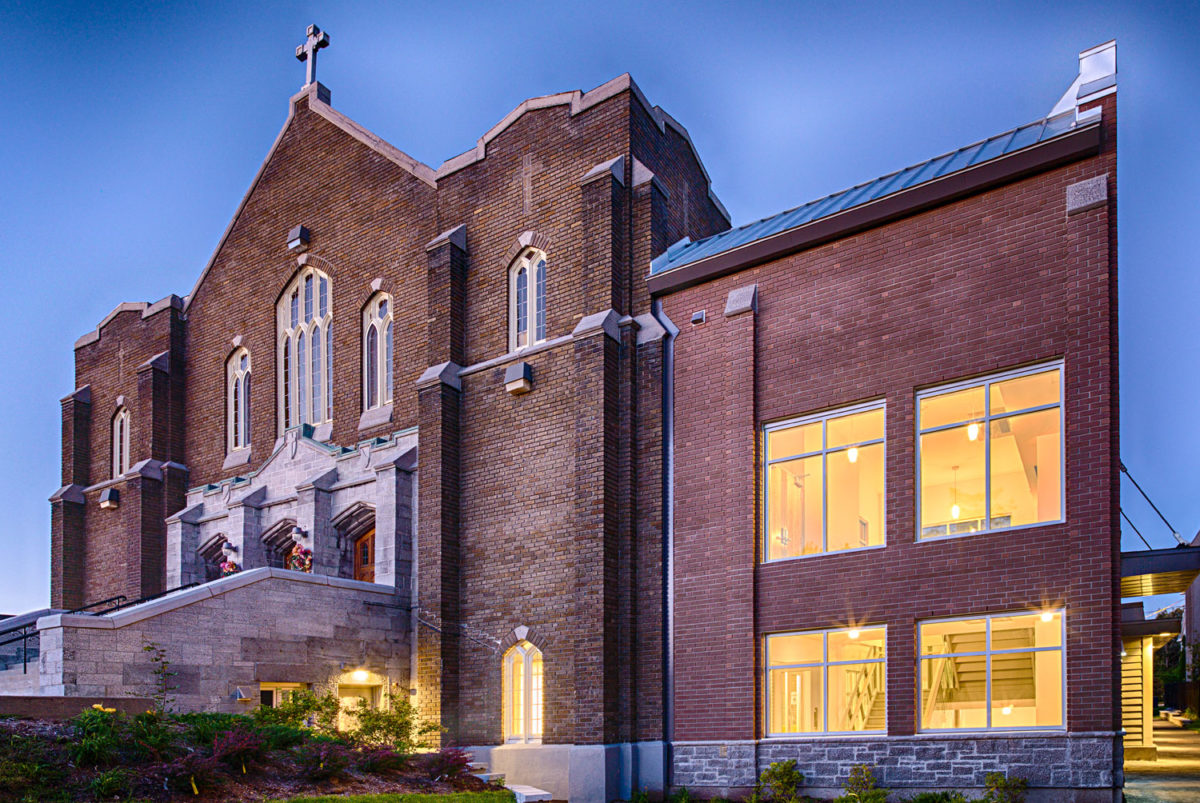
604, 272
67, 505
446, 299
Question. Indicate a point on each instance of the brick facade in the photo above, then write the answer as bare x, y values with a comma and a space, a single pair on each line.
1002, 279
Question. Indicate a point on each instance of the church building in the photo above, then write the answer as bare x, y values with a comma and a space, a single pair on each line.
624, 497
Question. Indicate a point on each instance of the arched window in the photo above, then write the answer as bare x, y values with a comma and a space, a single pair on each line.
120, 442
377, 351
527, 299
305, 348
522, 688
237, 401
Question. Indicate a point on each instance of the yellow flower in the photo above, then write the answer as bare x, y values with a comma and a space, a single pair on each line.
98, 706
109, 710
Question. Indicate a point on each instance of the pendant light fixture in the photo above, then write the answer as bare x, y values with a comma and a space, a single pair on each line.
954, 508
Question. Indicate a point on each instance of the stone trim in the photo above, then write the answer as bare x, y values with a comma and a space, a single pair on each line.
446, 373
82, 395
376, 416
1087, 194
69, 493
614, 167
235, 459
650, 330
189, 596
145, 308
527, 239
455, 236
643, 175
743, 299
160, 362
606, 322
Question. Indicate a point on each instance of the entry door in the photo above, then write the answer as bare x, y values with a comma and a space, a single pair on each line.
364, 557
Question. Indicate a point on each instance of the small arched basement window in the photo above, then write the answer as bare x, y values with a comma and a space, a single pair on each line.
527, 299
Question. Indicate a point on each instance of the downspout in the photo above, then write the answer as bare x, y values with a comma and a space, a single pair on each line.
668, 451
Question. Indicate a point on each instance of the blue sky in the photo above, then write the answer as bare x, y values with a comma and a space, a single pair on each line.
132, 130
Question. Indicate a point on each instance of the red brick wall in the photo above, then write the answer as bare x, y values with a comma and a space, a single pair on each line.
991, 282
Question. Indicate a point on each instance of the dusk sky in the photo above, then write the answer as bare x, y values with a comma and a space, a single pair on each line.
134, 129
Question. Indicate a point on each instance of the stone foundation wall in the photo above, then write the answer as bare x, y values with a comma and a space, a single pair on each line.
1061, 761
260, 626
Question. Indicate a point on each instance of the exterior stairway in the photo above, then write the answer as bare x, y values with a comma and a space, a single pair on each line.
523, 793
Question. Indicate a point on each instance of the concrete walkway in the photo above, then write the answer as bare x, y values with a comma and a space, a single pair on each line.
1175, 777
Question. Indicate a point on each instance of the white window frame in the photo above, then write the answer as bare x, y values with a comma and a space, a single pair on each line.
988, 652
537, 266
824, 665
985, 427
385, 330
295, 398
120, 442
237, 401
527, 651
824, 451
280, 692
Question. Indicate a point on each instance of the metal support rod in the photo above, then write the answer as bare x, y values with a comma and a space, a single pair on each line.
1135, 529
1145, 496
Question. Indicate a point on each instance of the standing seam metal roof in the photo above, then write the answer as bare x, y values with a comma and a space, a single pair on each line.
686, 252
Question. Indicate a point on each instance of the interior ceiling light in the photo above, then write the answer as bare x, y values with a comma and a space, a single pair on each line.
973, 431
852, 454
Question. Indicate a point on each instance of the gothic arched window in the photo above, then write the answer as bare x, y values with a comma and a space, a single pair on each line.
527, 299
237, 400
522, 688
120, 442
377, 351
305, 347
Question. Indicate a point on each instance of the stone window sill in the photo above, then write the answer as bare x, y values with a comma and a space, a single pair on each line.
375, 417
236, 459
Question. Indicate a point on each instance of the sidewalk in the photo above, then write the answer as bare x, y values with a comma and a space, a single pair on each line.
1175, 777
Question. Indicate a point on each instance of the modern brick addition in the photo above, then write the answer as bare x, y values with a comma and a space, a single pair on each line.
593, 494
1006, 277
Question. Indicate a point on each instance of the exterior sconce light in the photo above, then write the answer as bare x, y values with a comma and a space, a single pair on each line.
359, 676
518, 378
297, 241
698, 318
298, 536
229, 549
110, 499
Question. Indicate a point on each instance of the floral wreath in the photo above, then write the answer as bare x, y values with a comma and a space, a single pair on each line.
229, 567
300, 559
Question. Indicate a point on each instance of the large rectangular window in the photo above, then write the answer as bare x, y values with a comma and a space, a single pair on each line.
991, 453
824, 483
992, 672
831, 681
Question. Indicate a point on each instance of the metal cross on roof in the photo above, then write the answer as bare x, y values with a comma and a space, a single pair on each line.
317, 39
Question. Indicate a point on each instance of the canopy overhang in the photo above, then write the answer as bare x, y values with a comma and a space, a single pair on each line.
1158, 571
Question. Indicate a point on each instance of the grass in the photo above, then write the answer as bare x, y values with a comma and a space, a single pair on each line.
458, 797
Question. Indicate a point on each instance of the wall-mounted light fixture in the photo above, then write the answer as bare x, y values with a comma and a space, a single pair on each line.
518, 378
298, 536
297, 240
359, 676
110, 499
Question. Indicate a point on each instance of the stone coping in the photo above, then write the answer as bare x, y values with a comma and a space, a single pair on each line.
906, 737
185, 597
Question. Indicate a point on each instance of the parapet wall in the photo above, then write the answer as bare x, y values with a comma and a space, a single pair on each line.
260, 626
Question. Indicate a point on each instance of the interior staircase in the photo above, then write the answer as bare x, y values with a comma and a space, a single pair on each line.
962, 681
522, 792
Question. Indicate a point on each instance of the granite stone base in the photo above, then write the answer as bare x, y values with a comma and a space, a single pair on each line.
1070, 764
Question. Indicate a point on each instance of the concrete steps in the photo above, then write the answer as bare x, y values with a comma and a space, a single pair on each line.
522, 792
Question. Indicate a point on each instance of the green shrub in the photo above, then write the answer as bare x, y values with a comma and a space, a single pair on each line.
380, 759
189, 773
445, 764
780, 782
302, 709
201, 727
31, 769
680, 795
114, 783
282, 737
150, 735
395, 725
1002, 789
937, 797
860, 787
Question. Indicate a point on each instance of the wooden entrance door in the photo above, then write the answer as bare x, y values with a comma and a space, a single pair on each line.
364, 557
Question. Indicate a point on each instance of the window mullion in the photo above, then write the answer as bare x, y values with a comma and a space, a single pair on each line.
987, 675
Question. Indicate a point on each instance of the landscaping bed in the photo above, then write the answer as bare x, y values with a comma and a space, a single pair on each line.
291, 753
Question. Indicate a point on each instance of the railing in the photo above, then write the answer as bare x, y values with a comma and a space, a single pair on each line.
864, 692
29, 636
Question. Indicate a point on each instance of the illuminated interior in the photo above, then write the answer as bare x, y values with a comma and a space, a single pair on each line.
992, 672
826, 682
824, 484
522, 690
991, 455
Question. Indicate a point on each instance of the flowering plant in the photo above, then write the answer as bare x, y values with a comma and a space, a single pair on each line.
228, 567
300, 560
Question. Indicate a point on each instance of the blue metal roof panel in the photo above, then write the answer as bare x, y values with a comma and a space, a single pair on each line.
686, 252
